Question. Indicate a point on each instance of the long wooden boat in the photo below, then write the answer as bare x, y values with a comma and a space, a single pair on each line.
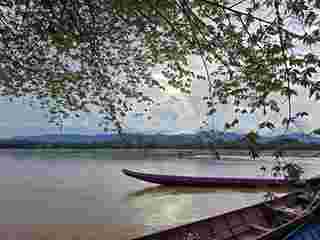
270, 220
172, 180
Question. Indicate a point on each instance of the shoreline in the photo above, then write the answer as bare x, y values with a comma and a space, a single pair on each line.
300, 147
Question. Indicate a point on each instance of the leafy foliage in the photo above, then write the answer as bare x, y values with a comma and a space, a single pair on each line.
116, 43
73, 54
316, 131
254, 56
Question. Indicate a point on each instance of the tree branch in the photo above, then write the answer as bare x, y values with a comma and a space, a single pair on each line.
183, 7
238, 3
250, 15
247, 31
276, 4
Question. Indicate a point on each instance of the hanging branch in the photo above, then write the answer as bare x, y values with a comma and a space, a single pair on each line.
190, 13
185, 8
284, 55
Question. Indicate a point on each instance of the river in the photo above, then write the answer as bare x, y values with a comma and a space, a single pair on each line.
55, 187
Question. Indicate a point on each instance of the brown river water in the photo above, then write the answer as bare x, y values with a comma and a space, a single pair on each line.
82, 194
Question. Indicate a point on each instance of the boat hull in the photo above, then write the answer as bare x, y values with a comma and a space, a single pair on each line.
172, 180
256, 222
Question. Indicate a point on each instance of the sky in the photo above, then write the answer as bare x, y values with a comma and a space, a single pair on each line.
177, 113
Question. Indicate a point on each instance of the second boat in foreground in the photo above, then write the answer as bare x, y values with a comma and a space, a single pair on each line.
270, 220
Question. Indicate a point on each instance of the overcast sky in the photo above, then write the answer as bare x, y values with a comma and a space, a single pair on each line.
176, 113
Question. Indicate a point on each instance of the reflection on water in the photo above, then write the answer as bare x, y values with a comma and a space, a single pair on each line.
164, 210
165, 206
157, 191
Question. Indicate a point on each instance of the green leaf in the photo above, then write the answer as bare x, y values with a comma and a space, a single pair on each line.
252, 137
234, 122
212, 111
270, 125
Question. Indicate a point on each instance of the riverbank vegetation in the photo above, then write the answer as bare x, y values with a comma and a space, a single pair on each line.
230, 146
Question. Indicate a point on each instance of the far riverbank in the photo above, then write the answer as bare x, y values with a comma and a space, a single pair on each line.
231, 147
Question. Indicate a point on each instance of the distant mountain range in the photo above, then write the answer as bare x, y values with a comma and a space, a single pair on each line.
135, 139
298, 137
